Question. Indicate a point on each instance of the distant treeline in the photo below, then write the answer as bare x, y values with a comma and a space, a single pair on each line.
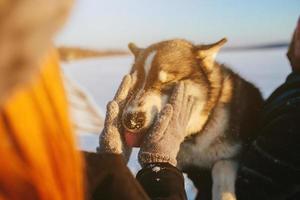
76, 53
262, 46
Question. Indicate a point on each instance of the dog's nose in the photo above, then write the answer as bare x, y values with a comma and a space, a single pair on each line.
134, 121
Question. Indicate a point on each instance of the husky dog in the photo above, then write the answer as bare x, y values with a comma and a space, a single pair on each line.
225, 113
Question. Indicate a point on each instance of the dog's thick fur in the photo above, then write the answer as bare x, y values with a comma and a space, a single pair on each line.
225, 114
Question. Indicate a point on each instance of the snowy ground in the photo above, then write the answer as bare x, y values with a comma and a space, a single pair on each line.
101, 77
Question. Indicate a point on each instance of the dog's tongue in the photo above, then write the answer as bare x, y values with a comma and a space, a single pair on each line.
133, 139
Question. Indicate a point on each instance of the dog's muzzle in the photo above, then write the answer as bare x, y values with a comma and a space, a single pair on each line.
134, 121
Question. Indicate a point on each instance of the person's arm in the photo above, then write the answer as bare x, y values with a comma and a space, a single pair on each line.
108, 177
160, 178
162, 181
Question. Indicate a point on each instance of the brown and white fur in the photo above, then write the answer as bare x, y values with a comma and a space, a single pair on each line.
224, 115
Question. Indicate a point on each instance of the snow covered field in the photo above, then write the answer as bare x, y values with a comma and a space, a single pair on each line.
101, 77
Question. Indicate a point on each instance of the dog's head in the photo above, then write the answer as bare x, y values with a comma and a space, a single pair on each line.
156, 71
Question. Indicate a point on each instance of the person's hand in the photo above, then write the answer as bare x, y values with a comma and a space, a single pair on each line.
162, 143
294, 49
111, 138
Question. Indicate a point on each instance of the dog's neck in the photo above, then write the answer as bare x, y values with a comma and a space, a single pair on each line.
215, 82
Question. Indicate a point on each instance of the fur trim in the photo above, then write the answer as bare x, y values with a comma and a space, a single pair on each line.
26, 31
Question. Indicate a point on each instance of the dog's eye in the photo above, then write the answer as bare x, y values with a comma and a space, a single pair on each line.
166, 90
168, 82
167, 87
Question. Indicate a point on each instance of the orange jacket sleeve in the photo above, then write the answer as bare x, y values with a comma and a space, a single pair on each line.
37, 147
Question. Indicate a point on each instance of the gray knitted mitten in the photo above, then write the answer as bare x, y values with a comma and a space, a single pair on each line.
163, 142
111, 138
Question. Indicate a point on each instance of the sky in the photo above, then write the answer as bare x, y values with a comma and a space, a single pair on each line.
112, 24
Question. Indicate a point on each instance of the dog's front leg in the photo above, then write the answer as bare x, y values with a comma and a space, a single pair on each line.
224, 175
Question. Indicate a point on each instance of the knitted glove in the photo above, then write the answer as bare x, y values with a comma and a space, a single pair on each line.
111, 138
163, 142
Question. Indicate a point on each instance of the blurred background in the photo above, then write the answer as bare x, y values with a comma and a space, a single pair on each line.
112, 24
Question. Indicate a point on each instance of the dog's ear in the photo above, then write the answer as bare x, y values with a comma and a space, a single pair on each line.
134, 49
207, 53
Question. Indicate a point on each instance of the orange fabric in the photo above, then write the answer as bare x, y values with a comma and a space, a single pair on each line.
38, 157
